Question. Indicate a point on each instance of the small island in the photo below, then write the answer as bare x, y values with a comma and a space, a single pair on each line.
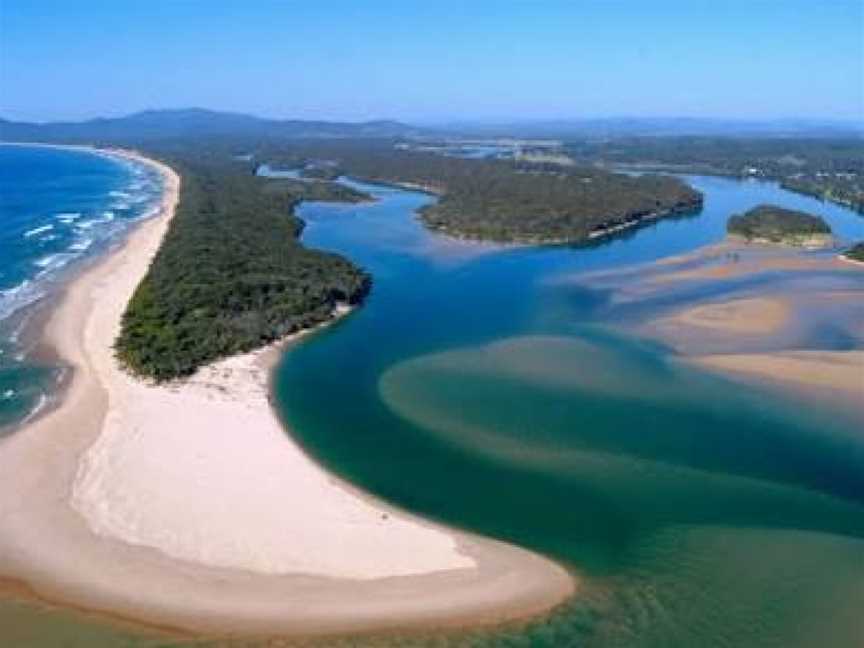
776, 225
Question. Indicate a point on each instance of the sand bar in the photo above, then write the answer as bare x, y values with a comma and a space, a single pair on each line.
188, 506
764, 333
839, 371
747, 315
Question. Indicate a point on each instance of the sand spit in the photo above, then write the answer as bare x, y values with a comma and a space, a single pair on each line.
188, 506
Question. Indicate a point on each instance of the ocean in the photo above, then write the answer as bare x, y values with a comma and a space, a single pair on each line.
58, 208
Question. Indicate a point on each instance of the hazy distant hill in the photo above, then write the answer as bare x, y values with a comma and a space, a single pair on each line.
197, 122
158, 124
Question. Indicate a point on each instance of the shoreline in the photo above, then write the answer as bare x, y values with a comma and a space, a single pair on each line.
108, 460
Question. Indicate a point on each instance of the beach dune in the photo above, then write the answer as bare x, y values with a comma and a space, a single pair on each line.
187, 505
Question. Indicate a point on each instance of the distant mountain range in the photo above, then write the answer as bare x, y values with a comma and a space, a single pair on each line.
195, 122
198, 122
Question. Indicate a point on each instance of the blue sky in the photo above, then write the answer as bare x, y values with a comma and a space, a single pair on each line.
434, 60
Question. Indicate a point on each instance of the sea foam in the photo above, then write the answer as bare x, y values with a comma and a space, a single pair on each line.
38, 230
17, 297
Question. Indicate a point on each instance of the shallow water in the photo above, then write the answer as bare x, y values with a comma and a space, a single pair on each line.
58, 207
483, 387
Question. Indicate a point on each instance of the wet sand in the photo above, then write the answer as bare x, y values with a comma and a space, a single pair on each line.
747, 315
776, 315
839, 371
731, 259
835, 374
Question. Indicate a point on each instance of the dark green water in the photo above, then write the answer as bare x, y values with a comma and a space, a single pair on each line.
483, 388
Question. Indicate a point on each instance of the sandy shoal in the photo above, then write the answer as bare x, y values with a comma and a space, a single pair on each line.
765, 314
187, 505
841, 371
732, 258
747, 315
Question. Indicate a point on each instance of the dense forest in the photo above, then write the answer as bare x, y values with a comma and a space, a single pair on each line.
845, 189
317, 191
500, 200
775, 156
231, 274
777, 225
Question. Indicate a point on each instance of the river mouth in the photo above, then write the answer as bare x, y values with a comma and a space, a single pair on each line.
697, 509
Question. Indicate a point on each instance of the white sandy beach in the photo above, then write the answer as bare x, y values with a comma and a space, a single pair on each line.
187, 505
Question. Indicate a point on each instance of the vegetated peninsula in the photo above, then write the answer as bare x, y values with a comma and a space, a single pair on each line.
505, 200
231, 275
772, 224
556, 208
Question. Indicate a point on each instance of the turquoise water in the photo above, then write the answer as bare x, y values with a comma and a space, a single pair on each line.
58, 207
486, 388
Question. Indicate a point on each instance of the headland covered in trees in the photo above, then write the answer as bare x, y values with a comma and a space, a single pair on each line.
231, 274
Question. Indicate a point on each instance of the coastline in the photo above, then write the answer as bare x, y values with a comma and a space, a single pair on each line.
76, 458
